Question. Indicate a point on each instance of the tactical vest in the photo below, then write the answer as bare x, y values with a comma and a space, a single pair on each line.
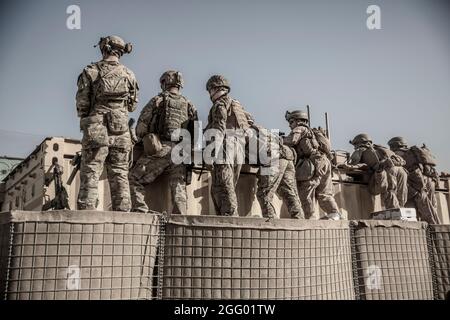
173, 114
111, 87
308, 145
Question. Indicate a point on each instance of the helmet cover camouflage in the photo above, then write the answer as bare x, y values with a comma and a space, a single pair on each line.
398, 141
217, 81
360, 139
297, 115
171, 78
114, 43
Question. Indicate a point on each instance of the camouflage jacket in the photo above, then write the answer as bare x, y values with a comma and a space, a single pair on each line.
227, 113
86, 101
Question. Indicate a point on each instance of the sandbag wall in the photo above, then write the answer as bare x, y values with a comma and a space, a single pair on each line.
78, 255
251, 258
391, 260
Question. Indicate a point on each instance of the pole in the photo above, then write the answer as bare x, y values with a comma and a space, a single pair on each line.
309, 114
327, 126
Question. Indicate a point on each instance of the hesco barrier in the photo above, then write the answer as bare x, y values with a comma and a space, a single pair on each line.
112, 255
440, 242
392, 260
78, 255
251, 258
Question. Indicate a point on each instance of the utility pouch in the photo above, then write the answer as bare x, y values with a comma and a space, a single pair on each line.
305, 170
152, 144
95, 133
117, 122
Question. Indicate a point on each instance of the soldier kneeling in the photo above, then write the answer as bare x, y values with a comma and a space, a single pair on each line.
165, 113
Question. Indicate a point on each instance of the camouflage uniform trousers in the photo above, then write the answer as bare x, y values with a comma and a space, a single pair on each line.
283, 182
395, 192
225, 177
92, 162
147, 169
319, 186
421, 190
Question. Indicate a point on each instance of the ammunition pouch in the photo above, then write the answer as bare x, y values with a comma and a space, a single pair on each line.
305, 170
95, 133
152, 144
117, 122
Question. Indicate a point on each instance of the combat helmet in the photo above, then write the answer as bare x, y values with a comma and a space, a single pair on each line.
217, 81
114, 42
297, 115
397, 142
171, 78
361, 139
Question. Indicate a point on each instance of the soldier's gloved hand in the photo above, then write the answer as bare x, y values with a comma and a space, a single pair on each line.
344, 166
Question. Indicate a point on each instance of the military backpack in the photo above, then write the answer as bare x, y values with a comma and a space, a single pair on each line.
424, 155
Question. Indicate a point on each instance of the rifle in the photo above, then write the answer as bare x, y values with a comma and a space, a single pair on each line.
76, 162
61, 200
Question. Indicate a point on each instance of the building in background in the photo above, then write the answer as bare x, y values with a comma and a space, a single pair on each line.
7, 164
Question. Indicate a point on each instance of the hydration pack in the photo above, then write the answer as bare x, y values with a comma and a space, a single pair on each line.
112, 83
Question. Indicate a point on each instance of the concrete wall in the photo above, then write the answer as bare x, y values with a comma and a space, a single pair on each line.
353, 198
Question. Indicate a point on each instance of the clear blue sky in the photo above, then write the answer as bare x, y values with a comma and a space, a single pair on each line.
278, 55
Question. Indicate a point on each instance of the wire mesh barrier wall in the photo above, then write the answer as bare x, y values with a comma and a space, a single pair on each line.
440, 243
4, 255
78, 255
249, 258
391, 260
112, 255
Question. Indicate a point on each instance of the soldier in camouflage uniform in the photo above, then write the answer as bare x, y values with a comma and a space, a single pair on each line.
313, 169
387, 175
279, 180
165, 113
226, 114
421, 180
107, 91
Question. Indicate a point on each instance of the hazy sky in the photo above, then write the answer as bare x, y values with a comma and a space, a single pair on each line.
278, 55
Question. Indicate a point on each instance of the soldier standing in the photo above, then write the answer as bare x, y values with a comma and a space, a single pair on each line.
422, 177
226, 115
280, 179
107, 91
313, 169
387, 175
165, 113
